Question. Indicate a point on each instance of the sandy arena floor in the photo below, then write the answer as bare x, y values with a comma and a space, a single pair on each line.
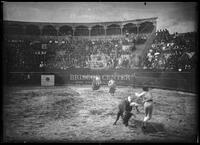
78, 114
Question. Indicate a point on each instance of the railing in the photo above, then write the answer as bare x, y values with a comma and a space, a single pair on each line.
164, 80
40, 37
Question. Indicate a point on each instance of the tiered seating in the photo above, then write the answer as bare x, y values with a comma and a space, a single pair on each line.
172, 52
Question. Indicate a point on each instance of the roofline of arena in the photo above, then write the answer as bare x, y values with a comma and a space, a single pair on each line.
134, 20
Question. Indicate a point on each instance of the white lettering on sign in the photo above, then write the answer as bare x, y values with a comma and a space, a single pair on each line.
76, 77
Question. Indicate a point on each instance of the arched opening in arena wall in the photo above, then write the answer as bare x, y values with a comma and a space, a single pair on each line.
97, 30
32, 30
129, 28
65, 30
49, 30
146, 27
14, 29
81, 31
113, 29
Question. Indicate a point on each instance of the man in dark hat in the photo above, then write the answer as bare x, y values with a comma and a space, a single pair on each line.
96, 83
112, 86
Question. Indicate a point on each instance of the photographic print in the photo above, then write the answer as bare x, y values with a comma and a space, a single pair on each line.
102, 72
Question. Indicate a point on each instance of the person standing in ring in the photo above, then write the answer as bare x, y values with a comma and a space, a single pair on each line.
148, 104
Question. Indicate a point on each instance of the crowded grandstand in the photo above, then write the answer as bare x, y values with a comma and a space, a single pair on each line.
31, 47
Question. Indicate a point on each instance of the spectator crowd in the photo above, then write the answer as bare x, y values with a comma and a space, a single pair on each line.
172, 52
168, 51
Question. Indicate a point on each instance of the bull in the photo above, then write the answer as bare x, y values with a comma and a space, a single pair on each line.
124, 110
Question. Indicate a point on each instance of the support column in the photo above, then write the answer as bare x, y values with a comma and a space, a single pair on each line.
40, 28
121, 27
89, 28
105, 28
57, 30
24, 29
73, 28
155, 25
137, 25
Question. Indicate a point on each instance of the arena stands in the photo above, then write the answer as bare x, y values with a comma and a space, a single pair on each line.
172, 52
102, 47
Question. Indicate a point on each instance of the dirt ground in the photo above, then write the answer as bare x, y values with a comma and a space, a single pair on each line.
78, 114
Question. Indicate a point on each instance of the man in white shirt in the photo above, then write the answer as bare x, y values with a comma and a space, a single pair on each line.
148, 104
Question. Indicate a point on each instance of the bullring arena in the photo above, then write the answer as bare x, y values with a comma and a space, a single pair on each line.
48, 71
75, 113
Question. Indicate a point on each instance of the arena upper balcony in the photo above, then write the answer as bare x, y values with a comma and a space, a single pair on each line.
85, 30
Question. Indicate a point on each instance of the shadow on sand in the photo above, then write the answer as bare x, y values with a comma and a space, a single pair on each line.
151, 127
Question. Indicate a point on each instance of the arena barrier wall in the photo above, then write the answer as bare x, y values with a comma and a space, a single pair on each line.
183, 81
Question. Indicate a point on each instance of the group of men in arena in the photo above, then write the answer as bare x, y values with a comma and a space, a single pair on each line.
125, 106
